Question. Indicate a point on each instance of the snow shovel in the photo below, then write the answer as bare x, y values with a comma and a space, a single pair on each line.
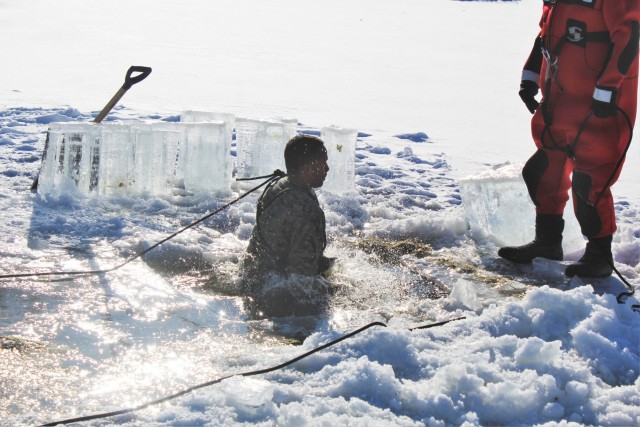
129, 81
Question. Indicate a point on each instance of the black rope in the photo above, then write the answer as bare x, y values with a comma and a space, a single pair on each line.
622, 296
276, 174
433, 325
244, 374
569, 150
622, 157
631, 290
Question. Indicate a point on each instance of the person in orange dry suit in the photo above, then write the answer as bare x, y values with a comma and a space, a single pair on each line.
585, 60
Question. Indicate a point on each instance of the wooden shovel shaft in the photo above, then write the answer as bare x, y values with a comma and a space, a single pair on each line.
107, 108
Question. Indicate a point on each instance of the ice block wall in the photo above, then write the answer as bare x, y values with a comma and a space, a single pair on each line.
136, 158
341, 149
498, 207
192, 156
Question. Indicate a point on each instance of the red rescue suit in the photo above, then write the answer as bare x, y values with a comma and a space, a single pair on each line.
586, 53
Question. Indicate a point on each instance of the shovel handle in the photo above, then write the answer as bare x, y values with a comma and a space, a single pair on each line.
130, 79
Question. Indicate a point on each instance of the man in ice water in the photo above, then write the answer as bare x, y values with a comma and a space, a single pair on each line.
585, 60
286, 248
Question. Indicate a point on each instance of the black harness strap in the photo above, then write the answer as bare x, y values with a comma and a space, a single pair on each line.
587, 3
576, 33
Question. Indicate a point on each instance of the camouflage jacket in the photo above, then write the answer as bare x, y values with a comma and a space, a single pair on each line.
289, 235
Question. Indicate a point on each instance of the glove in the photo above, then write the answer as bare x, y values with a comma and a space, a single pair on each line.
528, 92
603, 109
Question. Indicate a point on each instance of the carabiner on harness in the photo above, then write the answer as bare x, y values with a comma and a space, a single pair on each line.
552, 65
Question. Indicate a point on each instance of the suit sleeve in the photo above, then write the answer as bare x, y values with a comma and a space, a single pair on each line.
533, 65
621, 18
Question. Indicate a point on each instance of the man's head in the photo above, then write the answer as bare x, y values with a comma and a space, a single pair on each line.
306, 159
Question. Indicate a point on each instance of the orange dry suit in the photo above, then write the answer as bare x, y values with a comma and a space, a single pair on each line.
586, 56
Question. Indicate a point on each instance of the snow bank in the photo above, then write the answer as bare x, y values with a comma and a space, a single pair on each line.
551, 357
516, 364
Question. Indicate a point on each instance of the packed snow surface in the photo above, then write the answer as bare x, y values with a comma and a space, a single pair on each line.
432, 89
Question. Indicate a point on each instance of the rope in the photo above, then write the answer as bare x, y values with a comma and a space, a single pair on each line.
622, 157
276, 174
620, 298
631, 290
243, 374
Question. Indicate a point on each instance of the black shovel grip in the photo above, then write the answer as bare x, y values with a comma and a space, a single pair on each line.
130, 79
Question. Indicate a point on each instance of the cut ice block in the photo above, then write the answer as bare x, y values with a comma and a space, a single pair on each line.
154, 158
116, 160
260, 146
48, 175
498, 207
191, 116
205, 158
72, 153
341, 149
206, 116
291, 128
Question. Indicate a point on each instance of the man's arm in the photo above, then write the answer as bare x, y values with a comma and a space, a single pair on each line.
622, 20
529, 84
531, 70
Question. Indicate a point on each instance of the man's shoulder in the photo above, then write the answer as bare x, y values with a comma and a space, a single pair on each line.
287, 194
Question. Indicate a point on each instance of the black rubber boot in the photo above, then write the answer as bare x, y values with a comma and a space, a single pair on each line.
596, 261
547, 244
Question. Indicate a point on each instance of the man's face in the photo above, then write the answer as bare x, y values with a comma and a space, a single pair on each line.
317, 170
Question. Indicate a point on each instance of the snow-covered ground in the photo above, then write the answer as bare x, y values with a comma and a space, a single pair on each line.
534, 347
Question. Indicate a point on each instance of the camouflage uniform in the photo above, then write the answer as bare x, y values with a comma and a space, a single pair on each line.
289, 235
